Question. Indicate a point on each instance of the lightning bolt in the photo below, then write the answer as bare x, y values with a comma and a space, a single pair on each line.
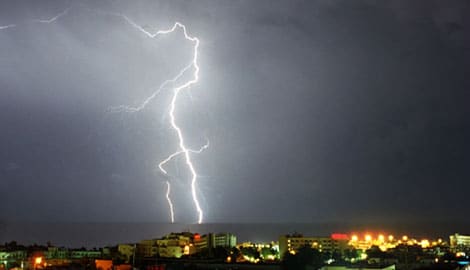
170, 157
2, 27
170, 203
183, 149
53, 19
48, 21
166, 160
194, 66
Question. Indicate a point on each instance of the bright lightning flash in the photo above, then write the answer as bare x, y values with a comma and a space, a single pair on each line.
160, 166
183, 149
193, 65
170, 203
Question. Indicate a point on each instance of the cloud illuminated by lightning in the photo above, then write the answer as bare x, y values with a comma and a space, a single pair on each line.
193, 65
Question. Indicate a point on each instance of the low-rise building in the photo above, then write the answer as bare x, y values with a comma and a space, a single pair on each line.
291, 243
18, 255
214, 240
85, 254
56, 253
226, 240
147, 248
176, 245
126, 251
459, 242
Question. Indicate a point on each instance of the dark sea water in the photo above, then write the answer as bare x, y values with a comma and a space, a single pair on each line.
103, 234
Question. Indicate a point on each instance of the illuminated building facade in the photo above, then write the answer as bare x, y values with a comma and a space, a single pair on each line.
176, 245
212, 240
56, 253
291, 243
80, 254
459, 242
147, 248
126, 250
224, 240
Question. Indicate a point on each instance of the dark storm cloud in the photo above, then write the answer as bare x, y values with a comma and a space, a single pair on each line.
316, 110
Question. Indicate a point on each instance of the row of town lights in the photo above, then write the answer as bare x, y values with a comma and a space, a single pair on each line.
380, 237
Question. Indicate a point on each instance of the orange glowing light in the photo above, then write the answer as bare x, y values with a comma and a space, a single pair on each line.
38, 260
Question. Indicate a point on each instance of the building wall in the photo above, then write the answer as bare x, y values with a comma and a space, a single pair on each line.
459, 242
175, 245
79, 254
126, 250
147, 248
18, 255
56, 253
171, 251
201, 242
225, 240
291, 243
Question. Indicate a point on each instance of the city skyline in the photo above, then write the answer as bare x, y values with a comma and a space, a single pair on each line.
375, 251
76, 234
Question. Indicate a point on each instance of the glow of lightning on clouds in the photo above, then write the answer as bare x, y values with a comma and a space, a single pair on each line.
183, 149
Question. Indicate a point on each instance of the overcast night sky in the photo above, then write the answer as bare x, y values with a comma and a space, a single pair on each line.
315, 111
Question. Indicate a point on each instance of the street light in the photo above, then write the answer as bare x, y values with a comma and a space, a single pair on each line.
37, 261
